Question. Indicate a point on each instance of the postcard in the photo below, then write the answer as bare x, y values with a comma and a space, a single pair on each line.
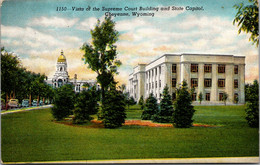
119, 81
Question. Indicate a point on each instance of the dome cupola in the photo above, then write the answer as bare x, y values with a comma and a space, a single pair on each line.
62, 58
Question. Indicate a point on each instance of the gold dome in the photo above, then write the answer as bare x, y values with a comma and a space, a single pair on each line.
61, 58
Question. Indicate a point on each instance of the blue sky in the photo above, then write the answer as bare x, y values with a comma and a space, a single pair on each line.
36, 32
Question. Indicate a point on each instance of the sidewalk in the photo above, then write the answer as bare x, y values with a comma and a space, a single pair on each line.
25, 109
172, 160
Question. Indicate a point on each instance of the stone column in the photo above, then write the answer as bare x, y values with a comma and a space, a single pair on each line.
201, 79
214, 85
185, 73
241, 83
229, 86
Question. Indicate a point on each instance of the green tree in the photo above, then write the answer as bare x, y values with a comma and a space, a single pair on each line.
247, 20
164, 115
151, 107
113, 109
224, 98
200, 97
183, 109
63, 102
252, 105
141, 102
101, 55
86, 105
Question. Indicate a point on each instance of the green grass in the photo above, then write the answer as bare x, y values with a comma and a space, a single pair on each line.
33, 136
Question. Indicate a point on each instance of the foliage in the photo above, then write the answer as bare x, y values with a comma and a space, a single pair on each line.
141, 102
200, 97
164, 114
113, 109
86, 105
101, 54
63, 102
252, 106
183, 110
129, 100
225, 97
247, 19
151, 107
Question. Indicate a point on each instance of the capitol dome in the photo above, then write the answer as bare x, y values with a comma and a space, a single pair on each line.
62, 58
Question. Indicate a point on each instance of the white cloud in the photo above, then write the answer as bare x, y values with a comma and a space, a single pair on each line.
126, 25
53, 22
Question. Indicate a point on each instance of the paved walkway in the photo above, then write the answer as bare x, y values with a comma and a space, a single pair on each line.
25, 109
176, 160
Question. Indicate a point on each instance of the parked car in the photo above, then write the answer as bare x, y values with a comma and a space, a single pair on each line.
34, 102
25, 103
13, 103
40, 102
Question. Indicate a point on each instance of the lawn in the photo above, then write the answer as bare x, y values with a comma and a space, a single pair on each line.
33, 136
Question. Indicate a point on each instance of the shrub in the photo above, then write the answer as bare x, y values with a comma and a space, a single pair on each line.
86, 105
113, 109
183, 110
252, 106
200, 97
151, 107
164, 115
63, 102
141, 102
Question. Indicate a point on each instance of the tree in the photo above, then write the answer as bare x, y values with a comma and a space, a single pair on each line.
141, 102
247, 20
101, 55
113, 109
183, 110
252, 105
200, 97
164, 115
63, 102
86, 105
225, 97
151, 107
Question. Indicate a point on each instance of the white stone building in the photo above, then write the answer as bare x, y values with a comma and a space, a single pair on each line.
209, 74
61, 76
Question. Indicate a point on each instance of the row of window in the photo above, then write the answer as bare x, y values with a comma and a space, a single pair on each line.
148, 86
207, 83
207, 68
207, 96
152, 72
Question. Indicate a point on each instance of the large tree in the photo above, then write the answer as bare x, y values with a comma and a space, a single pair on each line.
101, 54
247, 20
151, 108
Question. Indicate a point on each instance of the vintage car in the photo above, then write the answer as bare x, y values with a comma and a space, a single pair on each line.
40, 102
34, 102
25, 103
13, 103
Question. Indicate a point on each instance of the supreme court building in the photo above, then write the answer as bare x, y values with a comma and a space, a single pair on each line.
209, 74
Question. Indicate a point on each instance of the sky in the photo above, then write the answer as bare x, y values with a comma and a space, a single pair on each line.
36, 32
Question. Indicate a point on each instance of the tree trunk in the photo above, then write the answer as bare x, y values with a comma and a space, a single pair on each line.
30, 99
38, 97
6, 102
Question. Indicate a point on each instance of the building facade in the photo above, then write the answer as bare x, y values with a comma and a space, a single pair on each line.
61, 76
209, 74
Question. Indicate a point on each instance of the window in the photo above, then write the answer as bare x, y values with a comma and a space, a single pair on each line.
160, 84
194, 68
146, 86
173, 68
149, 85
173, 82
220, 97
173, 96
155, 84
221, 68
207, 82
194, 82
236, 69
194, 96
155, 71
236, 97
221, 82
152, 73
160, 69
235, 83
152, 85
207, 68
207, 96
